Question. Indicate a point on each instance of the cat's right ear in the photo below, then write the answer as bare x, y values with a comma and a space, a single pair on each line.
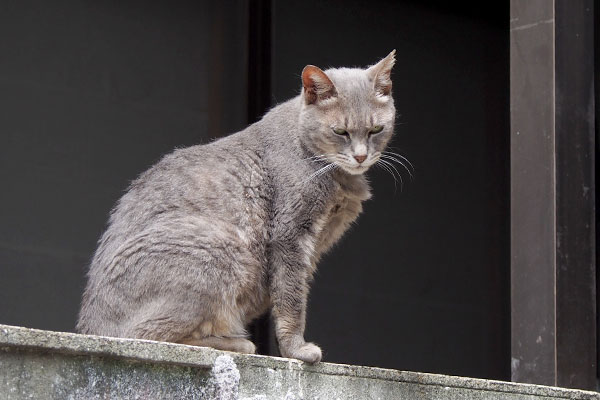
380, 75
317, 85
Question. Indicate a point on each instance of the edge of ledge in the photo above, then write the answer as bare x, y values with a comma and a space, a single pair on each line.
201, 357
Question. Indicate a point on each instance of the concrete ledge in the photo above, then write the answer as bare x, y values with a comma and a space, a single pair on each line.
57, 365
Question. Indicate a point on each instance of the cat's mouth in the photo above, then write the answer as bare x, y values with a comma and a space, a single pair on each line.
354, 167
357, 169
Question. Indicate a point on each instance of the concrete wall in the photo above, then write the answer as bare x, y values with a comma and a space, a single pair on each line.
55, 365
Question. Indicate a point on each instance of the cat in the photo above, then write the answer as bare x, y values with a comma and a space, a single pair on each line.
215, 235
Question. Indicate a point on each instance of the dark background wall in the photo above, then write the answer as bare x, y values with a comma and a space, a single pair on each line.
92, 93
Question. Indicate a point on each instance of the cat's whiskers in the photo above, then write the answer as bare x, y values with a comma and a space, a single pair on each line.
318, 157
379, 163
329, 168
344, 159
398, 155
391, 166
394, 158
321, 171
314, 158
323, 159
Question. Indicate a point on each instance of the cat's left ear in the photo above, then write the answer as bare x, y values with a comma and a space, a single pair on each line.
317, 85
380, 73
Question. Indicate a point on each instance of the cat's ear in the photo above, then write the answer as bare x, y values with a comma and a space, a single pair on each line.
380, 73
317, 85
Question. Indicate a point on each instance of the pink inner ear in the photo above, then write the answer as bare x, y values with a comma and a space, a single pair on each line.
381, 72
383, 83
308, 76
317, 85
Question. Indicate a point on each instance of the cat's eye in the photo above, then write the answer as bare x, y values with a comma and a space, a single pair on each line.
340, 131
375, 129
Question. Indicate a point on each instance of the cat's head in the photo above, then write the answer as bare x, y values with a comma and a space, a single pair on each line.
347, 115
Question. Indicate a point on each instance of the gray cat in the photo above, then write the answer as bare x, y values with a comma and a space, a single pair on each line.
215, 235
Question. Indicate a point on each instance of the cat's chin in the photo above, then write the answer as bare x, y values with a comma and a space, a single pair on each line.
358, 170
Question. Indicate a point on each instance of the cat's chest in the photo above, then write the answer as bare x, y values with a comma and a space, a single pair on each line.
341, 209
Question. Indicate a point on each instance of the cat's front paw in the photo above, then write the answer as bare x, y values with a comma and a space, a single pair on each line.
307, 352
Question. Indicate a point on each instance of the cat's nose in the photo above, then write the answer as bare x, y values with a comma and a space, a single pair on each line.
360, 158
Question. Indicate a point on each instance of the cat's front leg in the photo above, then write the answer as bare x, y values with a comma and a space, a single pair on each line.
289, 292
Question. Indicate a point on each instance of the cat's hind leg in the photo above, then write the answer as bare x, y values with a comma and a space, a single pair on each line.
190, 278
223, 330
175, 325
163, 321
237, 344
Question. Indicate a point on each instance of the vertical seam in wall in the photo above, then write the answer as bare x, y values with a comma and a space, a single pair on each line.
510, 199
555, 191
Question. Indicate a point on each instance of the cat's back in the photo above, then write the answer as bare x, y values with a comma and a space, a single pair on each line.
204, 192
213, 180
194, 203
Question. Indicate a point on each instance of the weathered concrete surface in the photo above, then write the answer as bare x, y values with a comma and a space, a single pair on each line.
53, 365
